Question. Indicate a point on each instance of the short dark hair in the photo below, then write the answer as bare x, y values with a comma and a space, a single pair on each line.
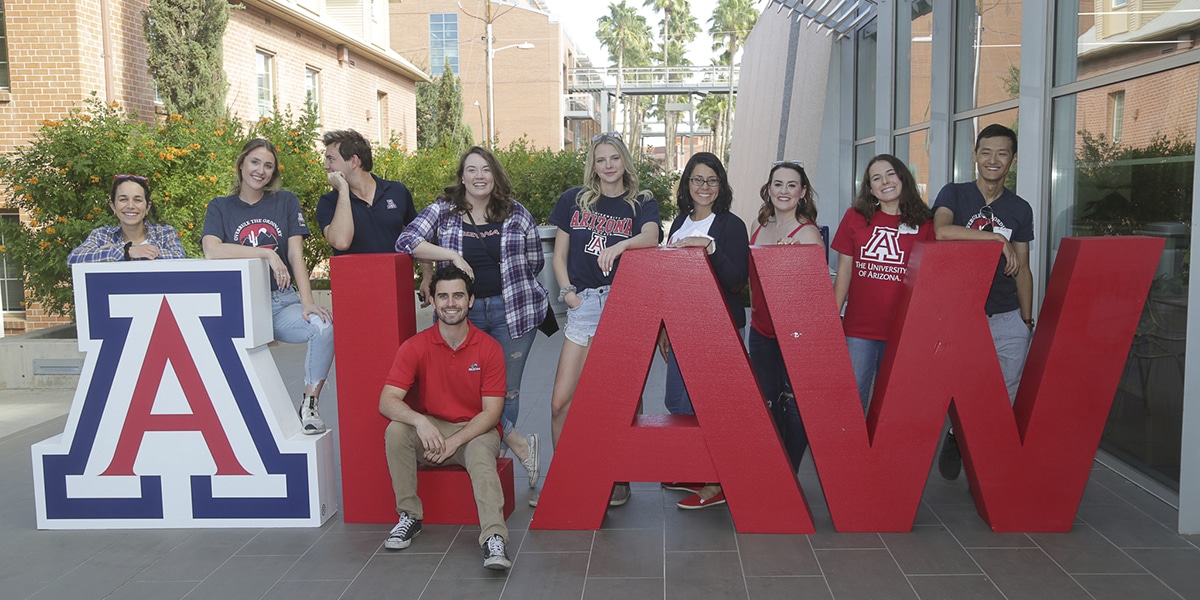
450, 273
997, 130
683, 197
350, 143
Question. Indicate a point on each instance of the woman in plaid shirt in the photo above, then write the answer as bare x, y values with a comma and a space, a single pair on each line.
477, 226
135, 238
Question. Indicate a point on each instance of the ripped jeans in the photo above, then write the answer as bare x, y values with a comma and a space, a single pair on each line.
488, 315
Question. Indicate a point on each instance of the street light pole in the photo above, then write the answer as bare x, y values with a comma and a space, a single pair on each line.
491, 105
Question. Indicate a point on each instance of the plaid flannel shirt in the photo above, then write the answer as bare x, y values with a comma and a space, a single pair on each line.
90, 250
521, 258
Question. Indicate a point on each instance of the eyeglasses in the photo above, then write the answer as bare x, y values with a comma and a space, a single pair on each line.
607, 134
141, 178
798, 163
987, 213
701, 182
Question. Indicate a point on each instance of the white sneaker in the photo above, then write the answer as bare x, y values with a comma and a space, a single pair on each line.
310, 420
495, 554
532, 463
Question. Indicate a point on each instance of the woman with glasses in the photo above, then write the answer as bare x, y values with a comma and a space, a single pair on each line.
704, 221
875, 240
477, 226
136, 236
596, 224
788, 215
258, 220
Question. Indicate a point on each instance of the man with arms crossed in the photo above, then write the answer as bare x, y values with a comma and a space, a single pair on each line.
459, 374
986, 210
363, 213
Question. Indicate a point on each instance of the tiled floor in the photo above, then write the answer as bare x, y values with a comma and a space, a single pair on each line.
1122, 547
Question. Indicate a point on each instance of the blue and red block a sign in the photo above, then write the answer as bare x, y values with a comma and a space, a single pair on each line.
181, 418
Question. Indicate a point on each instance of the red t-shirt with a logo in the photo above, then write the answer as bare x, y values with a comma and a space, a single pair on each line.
451, 384
880, 251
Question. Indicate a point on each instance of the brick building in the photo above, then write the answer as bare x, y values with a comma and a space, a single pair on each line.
59, 52
530, 87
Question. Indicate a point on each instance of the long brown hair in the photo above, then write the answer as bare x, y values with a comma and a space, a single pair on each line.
500, 203
807, 207
913, 210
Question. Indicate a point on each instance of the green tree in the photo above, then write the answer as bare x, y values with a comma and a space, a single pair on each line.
449, 129
729, 26
426, 115
185, 39
626, 35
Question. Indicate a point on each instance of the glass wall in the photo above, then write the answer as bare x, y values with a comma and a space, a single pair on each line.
864, 75
1123, 165
1090, 42
987, 53
914, 61
913, 149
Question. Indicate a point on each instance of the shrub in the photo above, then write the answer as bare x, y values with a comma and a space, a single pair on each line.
63, 177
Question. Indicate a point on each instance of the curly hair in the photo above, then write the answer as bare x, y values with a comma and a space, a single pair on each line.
500, 203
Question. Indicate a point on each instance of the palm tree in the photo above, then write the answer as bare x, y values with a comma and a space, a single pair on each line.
730, 25
626, 35
679, 28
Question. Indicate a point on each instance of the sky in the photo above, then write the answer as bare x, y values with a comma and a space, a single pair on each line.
579, 17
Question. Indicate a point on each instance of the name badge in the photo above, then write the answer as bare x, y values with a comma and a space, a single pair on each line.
1004, 231
906, 228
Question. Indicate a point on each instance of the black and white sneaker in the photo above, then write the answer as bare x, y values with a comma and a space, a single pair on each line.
310, 420
403, 533
495, 554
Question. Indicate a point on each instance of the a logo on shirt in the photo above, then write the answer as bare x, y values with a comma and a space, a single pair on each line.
391, 203
596, 245
473, 368
259, 233
883, 247
979, 221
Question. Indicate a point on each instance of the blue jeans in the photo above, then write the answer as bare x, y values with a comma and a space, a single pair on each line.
865, 357
676, 397
488, 315
287, 319
776, 388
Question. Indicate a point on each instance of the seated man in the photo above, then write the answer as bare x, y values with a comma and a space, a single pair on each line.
459, 374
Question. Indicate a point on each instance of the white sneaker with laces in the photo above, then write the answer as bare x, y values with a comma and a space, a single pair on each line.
310, 420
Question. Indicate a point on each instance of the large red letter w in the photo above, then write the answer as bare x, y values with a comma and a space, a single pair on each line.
1027, 464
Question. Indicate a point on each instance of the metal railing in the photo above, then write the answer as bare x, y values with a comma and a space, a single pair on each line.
634, 80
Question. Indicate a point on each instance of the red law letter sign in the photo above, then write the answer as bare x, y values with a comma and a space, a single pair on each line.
731, 439
1027, 465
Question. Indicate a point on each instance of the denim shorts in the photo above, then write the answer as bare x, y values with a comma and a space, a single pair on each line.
583, 319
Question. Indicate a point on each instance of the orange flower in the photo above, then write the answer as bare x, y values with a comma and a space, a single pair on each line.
45, 244
95, 179
91, 216
195, 146
50, 231
61, 219
33, 180
212, 155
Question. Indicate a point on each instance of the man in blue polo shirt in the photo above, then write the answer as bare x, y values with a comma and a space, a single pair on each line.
363, 213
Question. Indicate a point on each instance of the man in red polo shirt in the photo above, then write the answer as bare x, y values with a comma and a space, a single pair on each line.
459, 374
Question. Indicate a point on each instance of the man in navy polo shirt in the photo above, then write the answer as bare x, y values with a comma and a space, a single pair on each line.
985, 210
363, 213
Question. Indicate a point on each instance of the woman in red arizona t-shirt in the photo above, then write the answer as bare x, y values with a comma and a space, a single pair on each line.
875, 240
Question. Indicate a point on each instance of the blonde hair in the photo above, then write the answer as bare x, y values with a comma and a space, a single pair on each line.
591, 179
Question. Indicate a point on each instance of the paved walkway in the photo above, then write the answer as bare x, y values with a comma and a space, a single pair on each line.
1123, 545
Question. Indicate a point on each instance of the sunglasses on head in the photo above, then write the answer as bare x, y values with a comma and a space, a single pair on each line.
798, 163
607, 134
118, 178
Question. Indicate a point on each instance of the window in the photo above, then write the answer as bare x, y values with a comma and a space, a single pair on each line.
3, 48
1116, 115
312, 90
12, 277
1118, 3
987, 53
381, 110
443, 42
265, 70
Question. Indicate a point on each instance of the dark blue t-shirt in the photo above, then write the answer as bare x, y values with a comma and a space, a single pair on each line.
376, 225
1009, 211
481, 250
268, 223
612, 220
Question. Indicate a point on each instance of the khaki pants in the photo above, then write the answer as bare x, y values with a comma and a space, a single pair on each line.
478, 456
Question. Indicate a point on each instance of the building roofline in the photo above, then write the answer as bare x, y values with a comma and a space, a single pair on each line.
387, 57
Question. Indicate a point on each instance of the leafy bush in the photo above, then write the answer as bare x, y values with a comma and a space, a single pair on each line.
63, 177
